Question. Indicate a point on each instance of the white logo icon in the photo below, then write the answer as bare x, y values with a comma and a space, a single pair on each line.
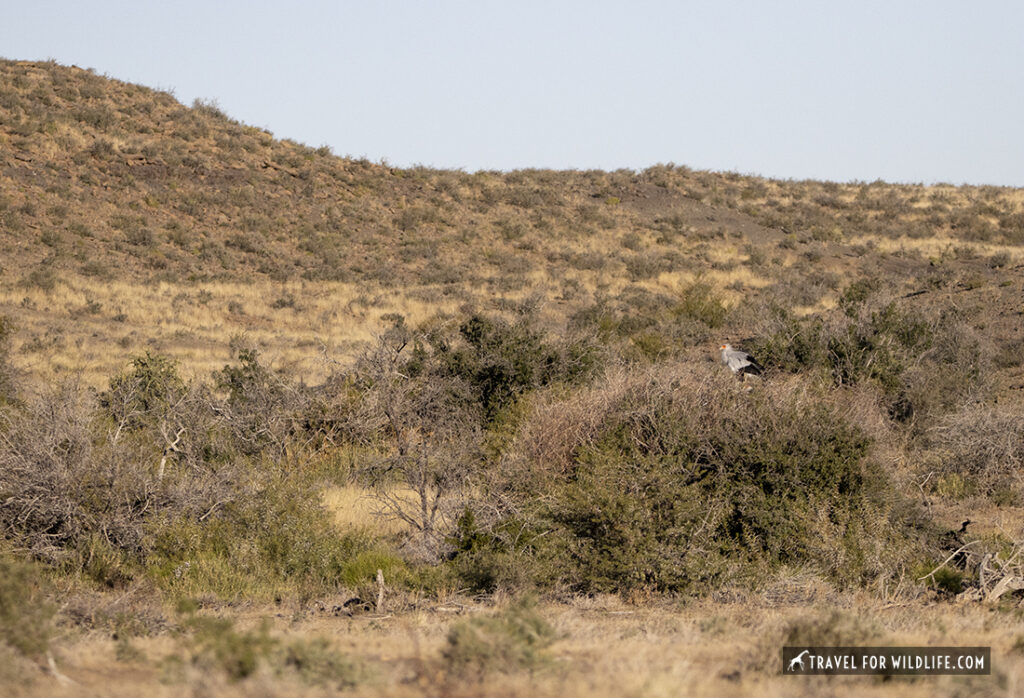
799, 659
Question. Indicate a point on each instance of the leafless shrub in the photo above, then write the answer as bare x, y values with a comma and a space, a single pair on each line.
558, 429
984, 443
66, 498
76, 489
955, 369
999, 574
430, 436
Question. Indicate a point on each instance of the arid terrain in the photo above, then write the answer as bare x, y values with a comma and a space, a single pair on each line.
274, 420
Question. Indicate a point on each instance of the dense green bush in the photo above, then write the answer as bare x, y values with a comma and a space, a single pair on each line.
501, 360
509, 554
699, 301
668, 481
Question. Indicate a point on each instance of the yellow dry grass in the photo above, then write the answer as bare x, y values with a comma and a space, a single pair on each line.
825, 304
354, 506
937, 246
94, 327
604, 648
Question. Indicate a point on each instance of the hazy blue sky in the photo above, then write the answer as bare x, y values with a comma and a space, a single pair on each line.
903, 91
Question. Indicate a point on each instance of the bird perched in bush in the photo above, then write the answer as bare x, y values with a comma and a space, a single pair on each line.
740, 362
955, 539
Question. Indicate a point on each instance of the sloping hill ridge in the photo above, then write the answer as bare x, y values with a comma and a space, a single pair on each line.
153, 186
131, 221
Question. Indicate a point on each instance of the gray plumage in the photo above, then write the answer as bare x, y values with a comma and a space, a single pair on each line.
740, 361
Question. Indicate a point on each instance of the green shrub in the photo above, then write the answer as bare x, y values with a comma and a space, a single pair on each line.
856, 295
943, 578
651, 345
508, 555
955, 370
700, 302
642, 492
144, 392
880, 347
791, 345
674, 482
501, 360
949, 580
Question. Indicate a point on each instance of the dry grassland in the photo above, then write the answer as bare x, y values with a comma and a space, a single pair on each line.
604, 647
304, 329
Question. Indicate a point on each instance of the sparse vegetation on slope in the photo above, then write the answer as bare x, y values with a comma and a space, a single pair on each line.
130, 216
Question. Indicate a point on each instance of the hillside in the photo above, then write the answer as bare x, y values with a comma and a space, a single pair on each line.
130, 221
277, 421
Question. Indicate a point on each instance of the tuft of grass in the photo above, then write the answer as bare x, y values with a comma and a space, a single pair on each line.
515, 639
43, 278
26, 613
318, 663
216, 643
827, 628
